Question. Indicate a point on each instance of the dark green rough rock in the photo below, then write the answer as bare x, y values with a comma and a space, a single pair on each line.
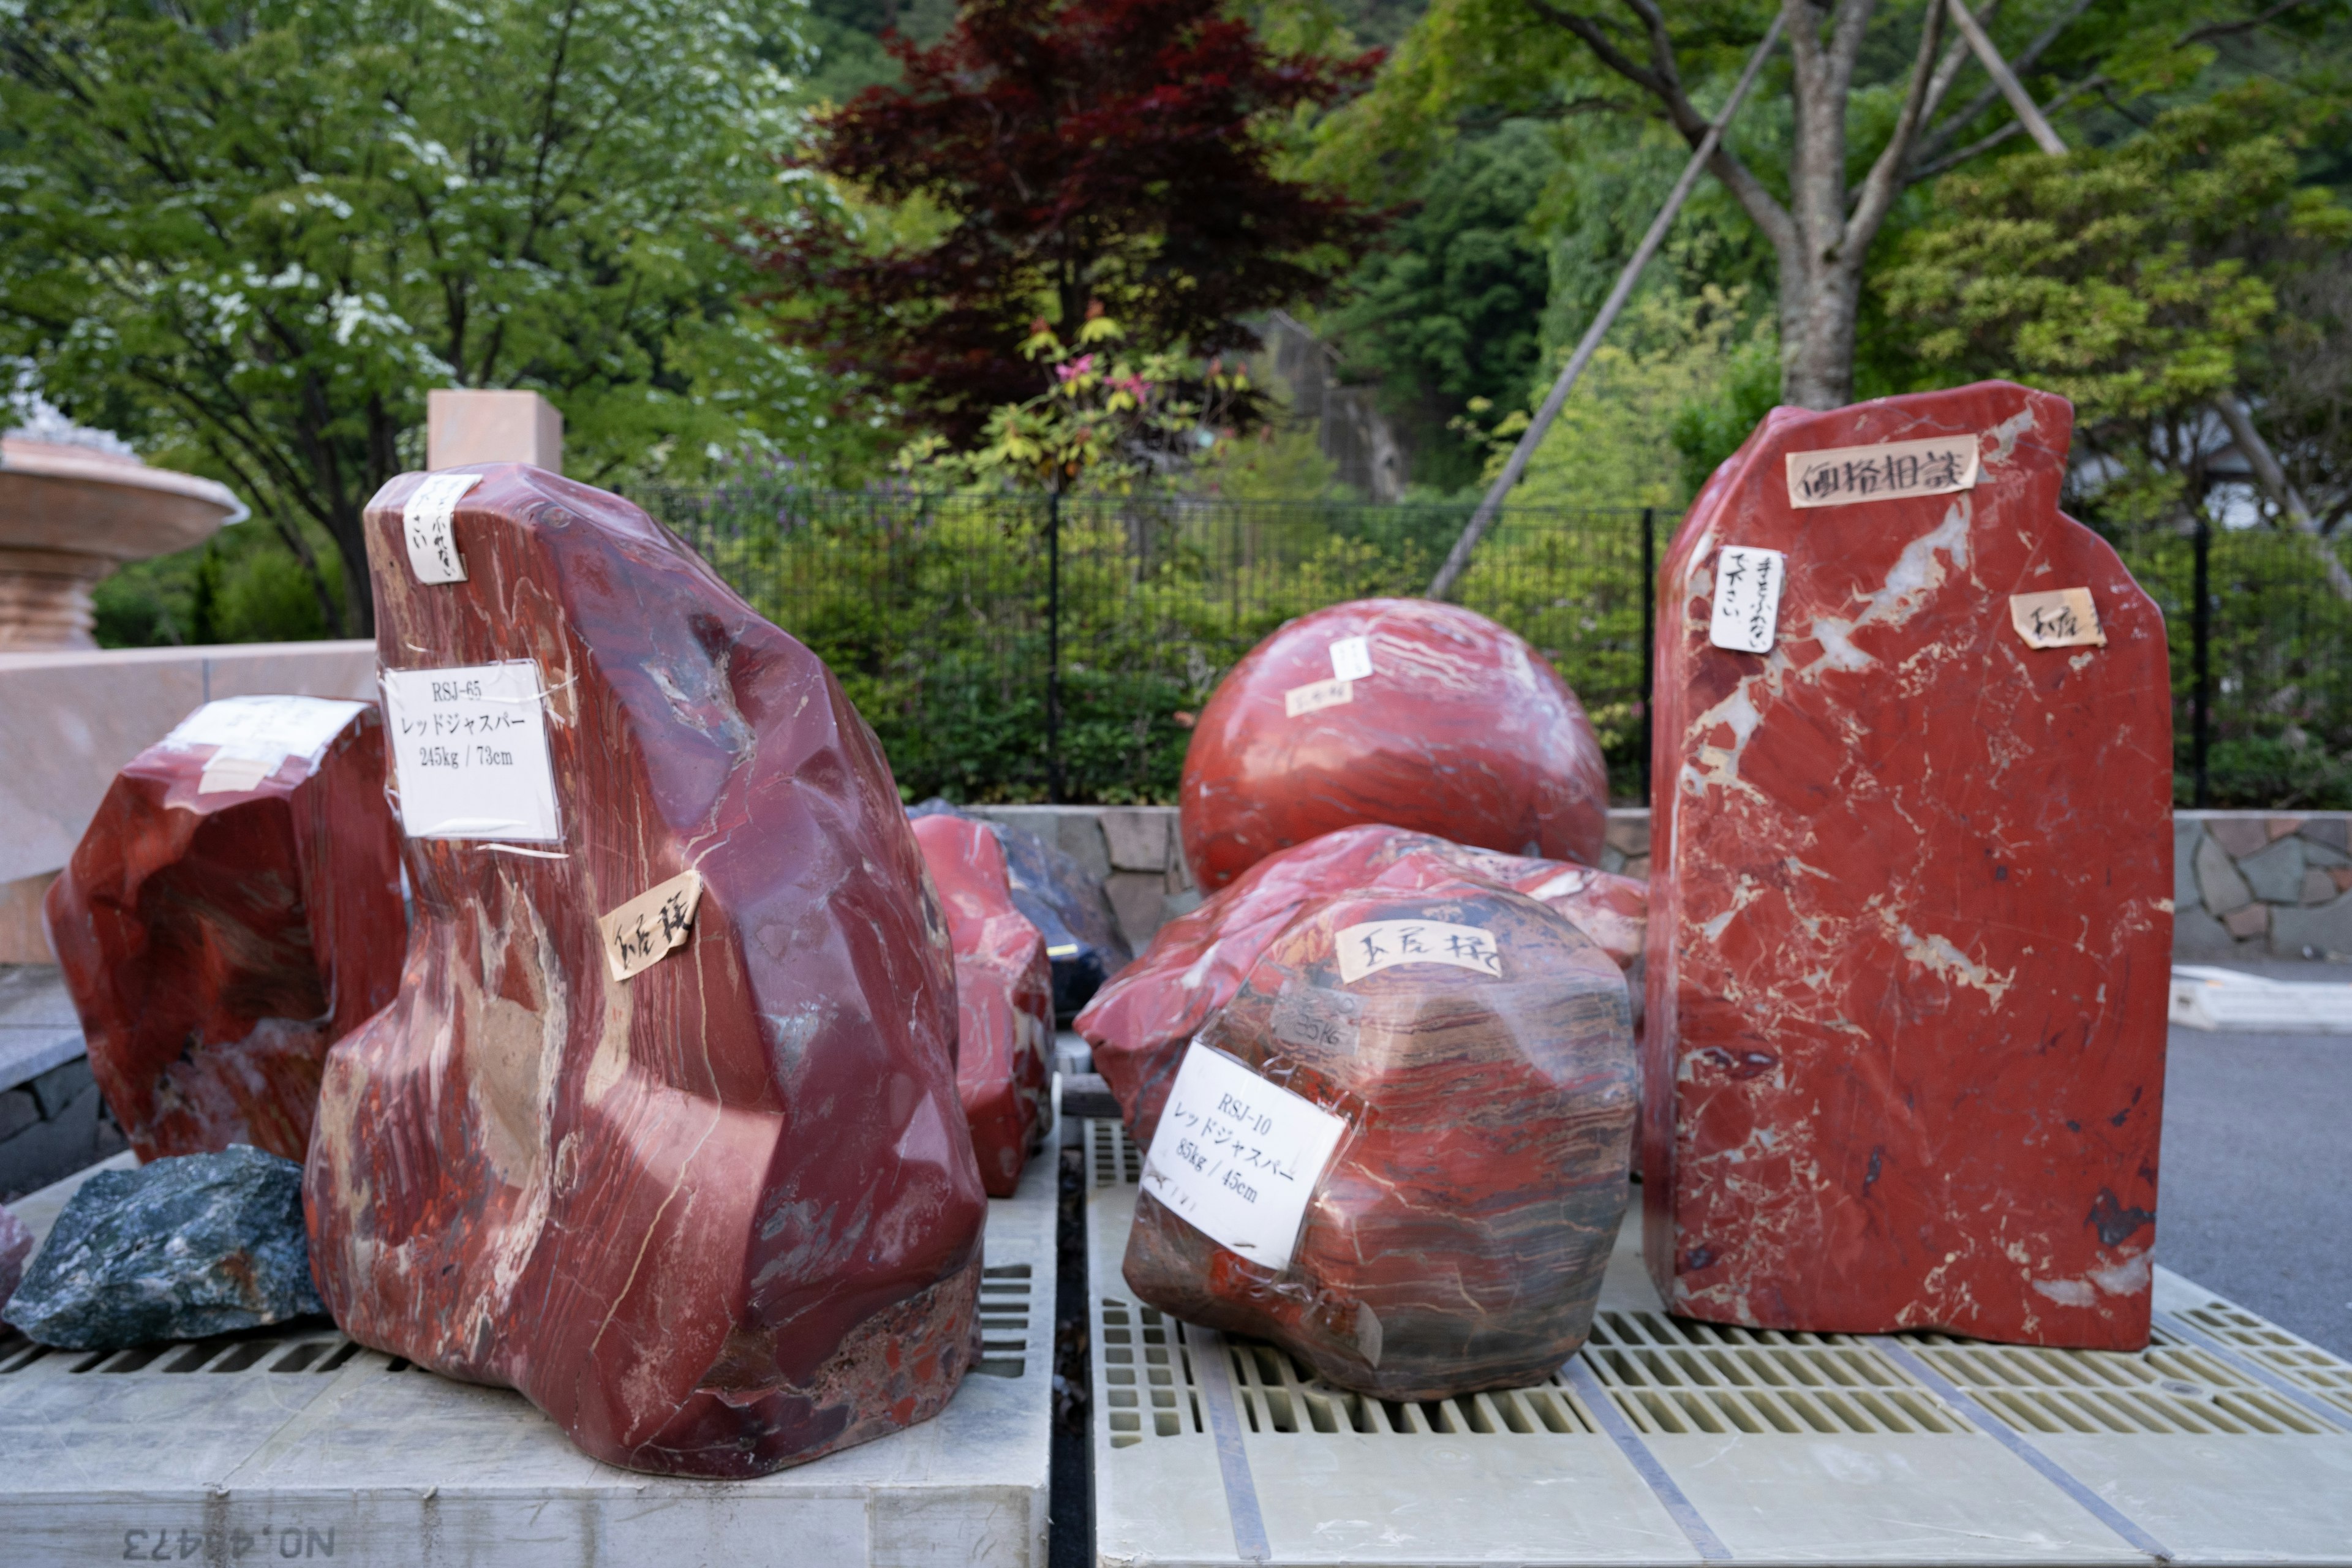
179, 1250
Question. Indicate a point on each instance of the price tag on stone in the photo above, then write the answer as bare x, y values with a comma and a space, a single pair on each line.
1351, 659
469, 752
1375, 945
252, 735
425, 521
1238, 1157
1316, 695
2063, 618
1892, 470
651, 926
1747, 598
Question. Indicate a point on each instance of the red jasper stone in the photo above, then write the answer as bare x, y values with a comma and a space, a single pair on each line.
216, 941
1461, 729
719, 1217
1911, 930
1004, 998
1457, 1240
1140, 1024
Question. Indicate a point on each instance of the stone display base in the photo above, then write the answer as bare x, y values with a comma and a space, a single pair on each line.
300, 1445
2227, 1440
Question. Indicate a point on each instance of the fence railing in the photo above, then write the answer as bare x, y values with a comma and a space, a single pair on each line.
1022, 647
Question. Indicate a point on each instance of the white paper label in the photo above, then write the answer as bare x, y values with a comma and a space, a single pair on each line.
1316, 695
651, 926
274, 727
1840, 476
2064, 617
1351, 659
469, 749
1747, 598
251, 736
425, 519
1375, 945
226, 774
1238, 1157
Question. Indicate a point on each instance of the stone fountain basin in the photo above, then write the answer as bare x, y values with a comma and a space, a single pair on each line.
68, 515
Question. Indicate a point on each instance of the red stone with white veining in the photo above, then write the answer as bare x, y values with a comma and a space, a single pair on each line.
1461, 730
1140, 1024
215, 944
1911, 932
1004, 998
721, 1217
1457, 1240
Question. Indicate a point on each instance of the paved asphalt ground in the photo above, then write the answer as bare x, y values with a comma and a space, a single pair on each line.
2254, 1198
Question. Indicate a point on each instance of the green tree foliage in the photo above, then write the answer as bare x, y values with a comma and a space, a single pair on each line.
2139, 280
251, 234
1866, 102
1451, 309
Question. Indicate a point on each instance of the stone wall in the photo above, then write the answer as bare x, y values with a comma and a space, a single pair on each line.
2246, 884
2261, 884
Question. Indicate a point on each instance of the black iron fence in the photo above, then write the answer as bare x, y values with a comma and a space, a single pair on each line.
1026, 647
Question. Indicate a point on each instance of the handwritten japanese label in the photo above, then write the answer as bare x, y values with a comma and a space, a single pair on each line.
1747, 598
251, 736
1892, 470
651, 926
1315, 695
469, 752
2064, 617
1238, 1157
1351, 659
425, 521
1375, 945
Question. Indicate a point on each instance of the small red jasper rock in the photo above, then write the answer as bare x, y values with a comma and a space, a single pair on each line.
1457, 1240
1459, 729
1910, 926
1004, 998
1140, 1024
219, 929
717, 1217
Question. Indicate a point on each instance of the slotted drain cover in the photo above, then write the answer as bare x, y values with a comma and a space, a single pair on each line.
2171, 1388
1691, 1442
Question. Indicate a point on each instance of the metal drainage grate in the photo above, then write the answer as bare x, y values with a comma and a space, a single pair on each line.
1004, 1319
1279, 1394
2283, 1354
1147, 1384
1116, 1160
2170, 1388
1672, 1375
299, 1349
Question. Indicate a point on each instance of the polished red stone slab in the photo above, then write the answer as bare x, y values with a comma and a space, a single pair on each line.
1139, 1025
1457, 1240
722, 1216
1911, 927
1460, 730
1004, 998
216, 942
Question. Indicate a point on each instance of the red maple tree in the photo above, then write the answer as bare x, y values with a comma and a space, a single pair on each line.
1081, 151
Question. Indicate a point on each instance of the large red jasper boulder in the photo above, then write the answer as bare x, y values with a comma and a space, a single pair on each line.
1004, 998
1473, 1050
233, 910
1911, 873
662, 1129
1139, 1025
1403, 712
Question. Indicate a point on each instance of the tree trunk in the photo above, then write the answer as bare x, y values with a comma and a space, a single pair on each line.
1817, 333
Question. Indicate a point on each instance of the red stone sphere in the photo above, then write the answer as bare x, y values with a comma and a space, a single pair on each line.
1461, 730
